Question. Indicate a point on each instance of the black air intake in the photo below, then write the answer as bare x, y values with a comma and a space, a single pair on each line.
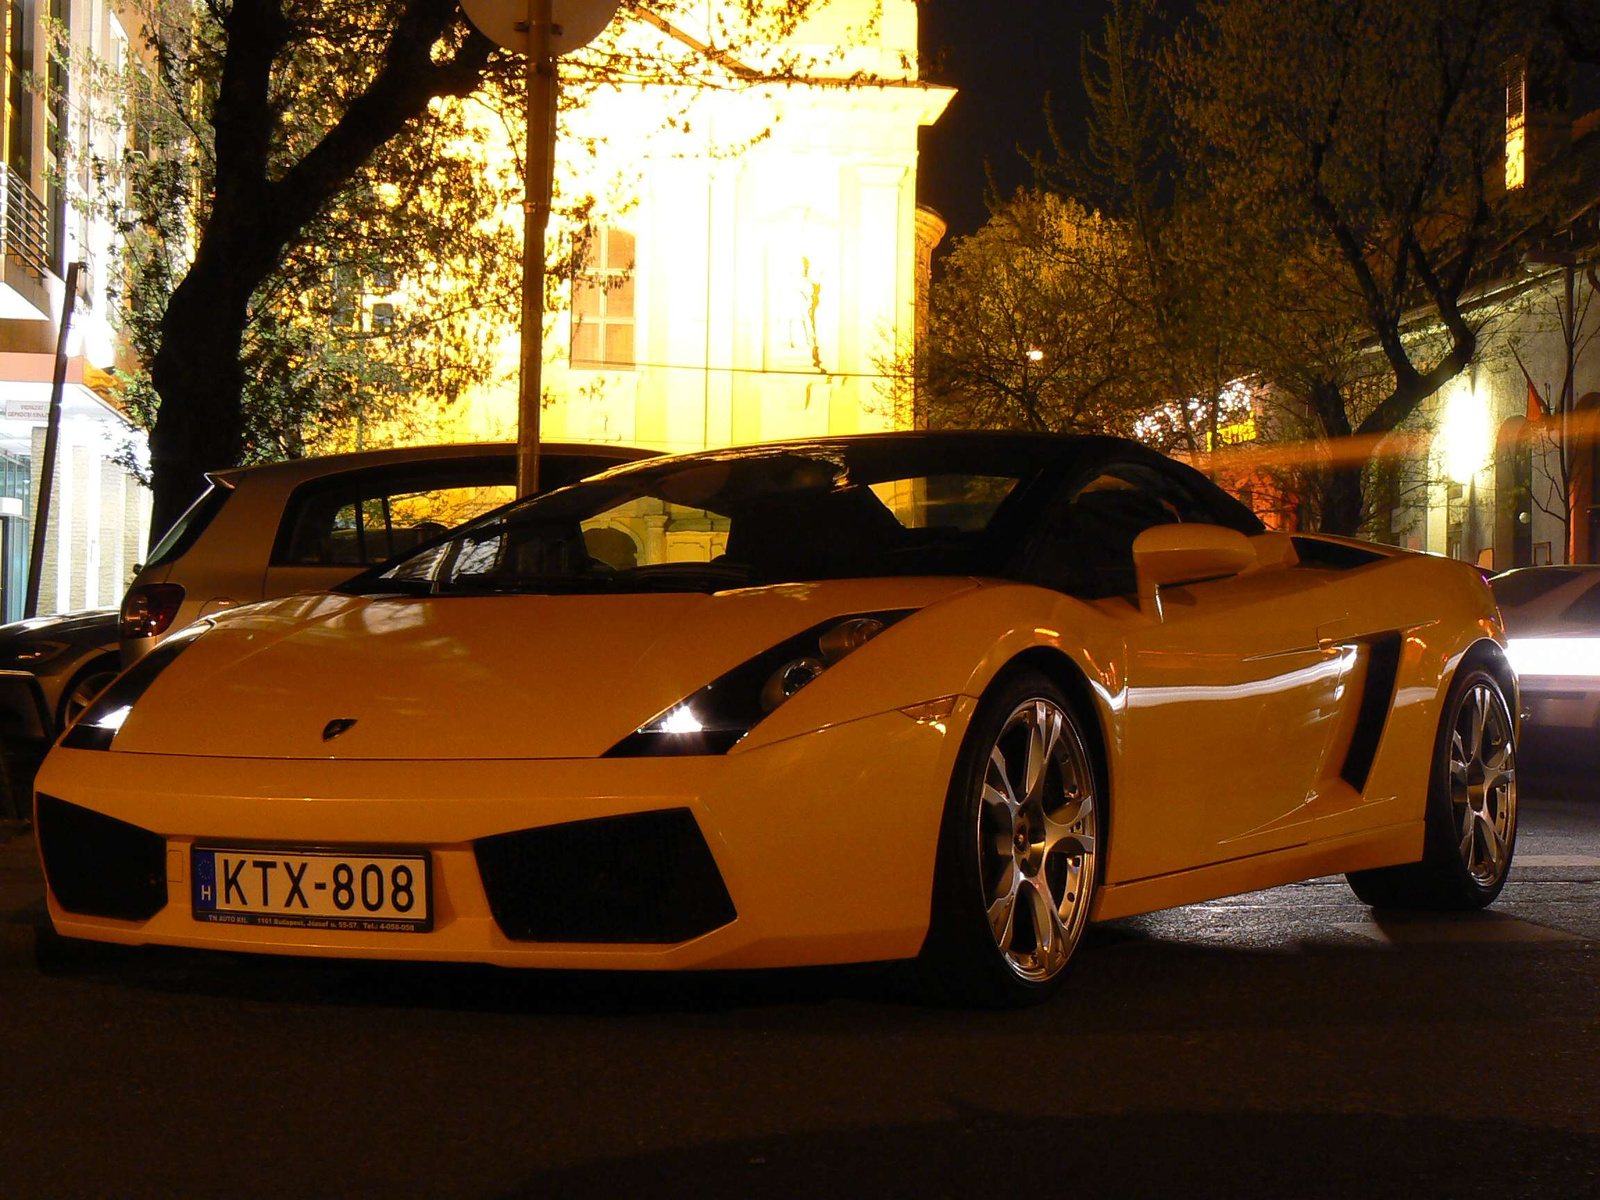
99, 866
648, 877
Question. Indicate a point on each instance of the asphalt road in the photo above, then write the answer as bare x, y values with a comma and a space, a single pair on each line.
1284, 1043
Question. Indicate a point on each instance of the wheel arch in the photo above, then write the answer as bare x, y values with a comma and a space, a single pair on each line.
1491, 657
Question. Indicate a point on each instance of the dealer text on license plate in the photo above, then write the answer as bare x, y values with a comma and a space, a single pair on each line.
312, 888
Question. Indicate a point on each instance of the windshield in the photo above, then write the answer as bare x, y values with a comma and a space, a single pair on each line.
731, 520
188, 528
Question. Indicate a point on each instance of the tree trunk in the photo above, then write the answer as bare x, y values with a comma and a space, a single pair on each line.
1343, 506
256, 212
198, 375
1340, 501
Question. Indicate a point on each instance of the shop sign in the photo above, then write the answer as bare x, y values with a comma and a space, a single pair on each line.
27, 410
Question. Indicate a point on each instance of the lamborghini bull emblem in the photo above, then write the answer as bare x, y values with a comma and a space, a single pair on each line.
335, 727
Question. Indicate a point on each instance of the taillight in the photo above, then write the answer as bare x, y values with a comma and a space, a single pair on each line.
148, 610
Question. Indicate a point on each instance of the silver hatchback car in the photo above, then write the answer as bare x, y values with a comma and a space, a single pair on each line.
302, 526
256, 533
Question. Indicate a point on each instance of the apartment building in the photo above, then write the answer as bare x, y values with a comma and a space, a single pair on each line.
99, 520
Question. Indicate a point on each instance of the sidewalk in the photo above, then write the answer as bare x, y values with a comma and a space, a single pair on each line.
21, 893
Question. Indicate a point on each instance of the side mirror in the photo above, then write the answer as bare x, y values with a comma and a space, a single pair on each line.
1168, 555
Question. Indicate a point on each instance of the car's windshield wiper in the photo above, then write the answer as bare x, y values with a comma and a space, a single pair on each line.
683, 577
531, 584
388, 587
656, 577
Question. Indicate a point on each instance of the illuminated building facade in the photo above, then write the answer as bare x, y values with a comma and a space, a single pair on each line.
1516, 443
753, 253
99, 512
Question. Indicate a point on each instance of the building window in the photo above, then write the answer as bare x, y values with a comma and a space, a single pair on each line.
20, 24
383, 318
1516, 127
602, 303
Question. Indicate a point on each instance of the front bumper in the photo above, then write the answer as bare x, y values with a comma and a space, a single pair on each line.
824, 842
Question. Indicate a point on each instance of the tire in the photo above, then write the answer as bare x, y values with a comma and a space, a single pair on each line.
1017, 865
1470, 826
88, 683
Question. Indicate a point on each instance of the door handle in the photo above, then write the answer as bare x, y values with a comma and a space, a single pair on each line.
1332, 632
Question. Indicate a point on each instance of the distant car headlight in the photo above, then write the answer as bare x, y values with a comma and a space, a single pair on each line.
35, 654
714, 719
98, 724
1571, 657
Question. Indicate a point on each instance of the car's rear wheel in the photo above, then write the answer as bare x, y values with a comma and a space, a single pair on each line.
1018, 852
1471, 819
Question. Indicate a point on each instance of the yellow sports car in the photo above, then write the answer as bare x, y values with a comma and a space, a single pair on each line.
945, 697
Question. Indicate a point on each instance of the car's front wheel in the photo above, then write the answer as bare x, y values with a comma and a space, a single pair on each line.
88, 683
1471, 819
1019, 850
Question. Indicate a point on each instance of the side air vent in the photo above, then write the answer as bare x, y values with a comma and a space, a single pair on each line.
1377, 698
1335, 556
99, 866
647, 877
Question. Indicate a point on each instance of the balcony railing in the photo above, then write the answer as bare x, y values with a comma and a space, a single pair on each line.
23, 226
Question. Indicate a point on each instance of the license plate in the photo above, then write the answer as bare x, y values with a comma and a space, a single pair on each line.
373, 891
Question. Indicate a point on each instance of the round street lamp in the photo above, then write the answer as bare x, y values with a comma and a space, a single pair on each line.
1030, 356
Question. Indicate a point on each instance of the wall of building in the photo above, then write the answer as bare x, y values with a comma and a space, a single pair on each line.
774, 252
99, 519
1497, 493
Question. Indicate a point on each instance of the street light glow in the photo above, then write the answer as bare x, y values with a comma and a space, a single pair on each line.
1467, 437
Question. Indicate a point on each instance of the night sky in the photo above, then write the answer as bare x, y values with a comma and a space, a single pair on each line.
1003, 55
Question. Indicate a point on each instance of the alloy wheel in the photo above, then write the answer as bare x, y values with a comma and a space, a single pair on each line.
1483, 784
1037, 824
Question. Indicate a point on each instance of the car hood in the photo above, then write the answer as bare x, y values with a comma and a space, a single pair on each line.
92, 626
480, 677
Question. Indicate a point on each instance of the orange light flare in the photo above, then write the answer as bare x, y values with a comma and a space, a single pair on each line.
1361, 448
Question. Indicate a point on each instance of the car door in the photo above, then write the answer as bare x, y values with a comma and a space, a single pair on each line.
1229, 691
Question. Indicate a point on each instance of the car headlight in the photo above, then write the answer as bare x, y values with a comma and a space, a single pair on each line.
1570, 657
36, 654
98, 724
714, 719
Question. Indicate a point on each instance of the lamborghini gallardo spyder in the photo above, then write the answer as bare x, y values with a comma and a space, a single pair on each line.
945, 697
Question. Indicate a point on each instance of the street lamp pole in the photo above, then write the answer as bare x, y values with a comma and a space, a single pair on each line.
541, 30
52, 434
539, 167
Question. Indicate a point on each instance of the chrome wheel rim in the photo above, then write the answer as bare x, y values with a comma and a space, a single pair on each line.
1483, 784
1037, 823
